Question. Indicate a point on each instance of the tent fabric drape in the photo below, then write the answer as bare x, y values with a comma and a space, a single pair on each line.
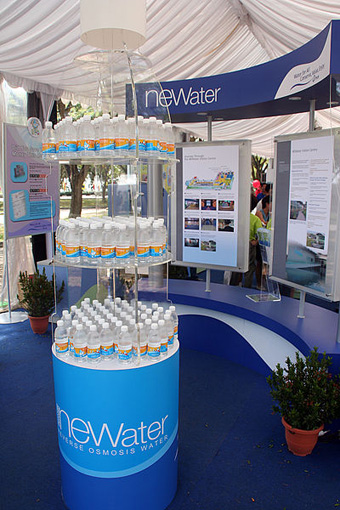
185, 39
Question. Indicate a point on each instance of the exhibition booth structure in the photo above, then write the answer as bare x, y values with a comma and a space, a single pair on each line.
117, 398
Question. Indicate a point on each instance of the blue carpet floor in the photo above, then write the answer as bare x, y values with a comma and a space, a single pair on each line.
232, 451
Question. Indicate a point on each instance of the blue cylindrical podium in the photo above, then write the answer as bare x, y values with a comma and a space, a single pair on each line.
118, 433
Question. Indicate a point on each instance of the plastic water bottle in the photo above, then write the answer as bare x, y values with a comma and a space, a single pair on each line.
169, 325
174, 318
106, 343
61, 340
116, 334
94, 244
48, 142
108, 247
93, 345
121, 137
124, 346
106, 138
154, 343
156, 248
170, 139
86, 138
68, 149
80, 344
163, 335
71, 332
143, 244
72, 244
123, 246
163, 145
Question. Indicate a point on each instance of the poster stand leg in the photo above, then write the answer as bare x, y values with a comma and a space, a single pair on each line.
10, 317
338, 330
301, 314
207, 281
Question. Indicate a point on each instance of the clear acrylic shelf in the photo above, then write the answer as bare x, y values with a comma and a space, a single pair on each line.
131, 265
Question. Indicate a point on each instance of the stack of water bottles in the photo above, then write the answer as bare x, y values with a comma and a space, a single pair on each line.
104, 137
98, 333
106, 241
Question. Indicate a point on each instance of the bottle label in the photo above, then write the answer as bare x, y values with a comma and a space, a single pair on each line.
63, 248
80, 352
86, 145
170, 339
72, 252
151, 145
124, 353
115, 347
122, 252
107, 350
48, 148
176, 332
154, 351
164, 344
57, 145
83, 251
156, 251
132, 251
93, 352
107, 144
132, 144
71, 346
61, 347
57, 246
141, 145
171, 149
93, 252
68, 146
121, 143
163, 147
143, 251
108, 252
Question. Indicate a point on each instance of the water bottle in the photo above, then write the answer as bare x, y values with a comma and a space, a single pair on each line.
156, 248
163, 335
154, 307
86, 138
164, 237
121, 137
48, 142
169, 328
106, 343
93, 345
61, 340
106, 138
143, 342
124, 346
80, 344
72, 244
73, 310
163, 145
83, 228
116, 333
143, 244
154, 343
170, 139
94, 244
152, 147
68, 149
123, 246
71, 333
108, 248
174, 318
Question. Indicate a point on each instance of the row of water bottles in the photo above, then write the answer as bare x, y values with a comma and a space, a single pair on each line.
105, 241
104, 137
98, 332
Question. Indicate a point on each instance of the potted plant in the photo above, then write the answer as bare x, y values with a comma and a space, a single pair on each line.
38, 297
306, 395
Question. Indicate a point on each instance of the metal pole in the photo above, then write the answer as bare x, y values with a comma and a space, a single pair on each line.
311, 114
155, 209
208, 273
7, 280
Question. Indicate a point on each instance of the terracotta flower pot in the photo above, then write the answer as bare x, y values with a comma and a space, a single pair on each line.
39, 325
300, 442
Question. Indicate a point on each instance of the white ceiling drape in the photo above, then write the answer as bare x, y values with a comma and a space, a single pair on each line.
39, 40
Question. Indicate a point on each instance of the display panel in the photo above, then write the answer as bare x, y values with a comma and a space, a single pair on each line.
305, 248
212, 193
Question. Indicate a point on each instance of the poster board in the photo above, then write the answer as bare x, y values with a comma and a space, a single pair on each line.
305, 212
212, 192
31, 185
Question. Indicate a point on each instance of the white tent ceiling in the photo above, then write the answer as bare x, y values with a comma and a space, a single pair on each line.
185, 39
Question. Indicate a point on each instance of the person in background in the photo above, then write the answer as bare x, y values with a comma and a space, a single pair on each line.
264, 212
254, 225
265, 190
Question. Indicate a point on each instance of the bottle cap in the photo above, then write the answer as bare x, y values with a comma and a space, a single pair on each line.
154, 326
79, 327
161, 322
105, 325
60, 323
119, 324
124, 329
93, 327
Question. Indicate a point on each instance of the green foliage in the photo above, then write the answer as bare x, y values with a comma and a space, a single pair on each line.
306, 394
259, 166
38, 293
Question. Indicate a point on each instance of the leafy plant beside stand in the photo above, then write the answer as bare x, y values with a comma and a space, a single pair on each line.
38, 297
307, 396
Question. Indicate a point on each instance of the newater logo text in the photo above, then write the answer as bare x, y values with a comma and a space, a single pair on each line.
114, 439
169, 97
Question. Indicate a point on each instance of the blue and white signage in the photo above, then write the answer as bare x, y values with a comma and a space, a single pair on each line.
115, 423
